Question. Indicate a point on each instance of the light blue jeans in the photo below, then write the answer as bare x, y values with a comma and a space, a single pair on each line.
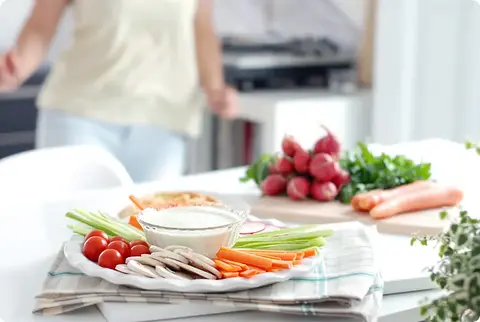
148, 152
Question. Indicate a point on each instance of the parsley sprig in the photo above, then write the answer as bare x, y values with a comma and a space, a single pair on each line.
370, 172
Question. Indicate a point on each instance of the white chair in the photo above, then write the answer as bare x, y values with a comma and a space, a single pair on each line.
51, 173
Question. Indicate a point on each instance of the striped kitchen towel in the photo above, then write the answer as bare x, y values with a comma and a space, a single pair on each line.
348, 283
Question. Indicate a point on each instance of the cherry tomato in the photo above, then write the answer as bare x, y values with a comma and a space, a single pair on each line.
110, 258
93, 247
138, 250
121, 246
138, 242
117, 238
98, 233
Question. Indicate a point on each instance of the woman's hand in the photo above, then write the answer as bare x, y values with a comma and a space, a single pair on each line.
223, 102
9, 79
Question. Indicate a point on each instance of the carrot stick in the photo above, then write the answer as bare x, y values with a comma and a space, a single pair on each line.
282, 264
258, 270
136, 202
280, 255
300, 256
248, 273
231, 263
310, 252
268, 256
297, 262
245, 258
435, 197
225, 267
132, 221
368, 200
229, 274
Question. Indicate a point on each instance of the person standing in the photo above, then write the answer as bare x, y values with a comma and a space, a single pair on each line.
134, 80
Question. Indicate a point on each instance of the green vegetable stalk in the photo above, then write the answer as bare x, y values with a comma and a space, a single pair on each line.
111, 226
289, 239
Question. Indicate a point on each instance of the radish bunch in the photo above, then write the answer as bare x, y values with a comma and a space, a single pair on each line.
301, 173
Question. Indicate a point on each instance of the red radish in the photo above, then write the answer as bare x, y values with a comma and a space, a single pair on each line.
343, 177
323, 191
328, 144
271, 228
290, 146
298, 188
301, 161
273, 169
323, 167
274, 185
285, 166
252, 228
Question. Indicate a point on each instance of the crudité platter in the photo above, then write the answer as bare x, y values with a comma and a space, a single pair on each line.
191, 243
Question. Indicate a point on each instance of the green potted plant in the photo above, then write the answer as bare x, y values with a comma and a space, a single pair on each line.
458, 271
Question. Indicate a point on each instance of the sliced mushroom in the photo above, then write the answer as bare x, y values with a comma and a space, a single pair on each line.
122, 268
195, 270
154, 249
166, 273
166, 261
196, 262
147, 259
174, 248
141, 269
168, 254
205, 259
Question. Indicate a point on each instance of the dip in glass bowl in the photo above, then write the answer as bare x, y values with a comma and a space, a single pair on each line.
203, 228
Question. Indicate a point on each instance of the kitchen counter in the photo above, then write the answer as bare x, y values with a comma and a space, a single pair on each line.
21, 276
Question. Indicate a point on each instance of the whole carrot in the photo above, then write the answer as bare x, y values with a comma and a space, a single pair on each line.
434, 197
368, 200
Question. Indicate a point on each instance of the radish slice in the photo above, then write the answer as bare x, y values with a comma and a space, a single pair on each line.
269, 228
252, 228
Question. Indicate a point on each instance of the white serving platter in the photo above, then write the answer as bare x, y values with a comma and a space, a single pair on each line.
74, 255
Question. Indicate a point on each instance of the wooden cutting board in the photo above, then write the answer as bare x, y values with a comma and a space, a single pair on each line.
314, 212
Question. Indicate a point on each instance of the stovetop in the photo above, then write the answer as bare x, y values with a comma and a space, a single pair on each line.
252, 63
276, 52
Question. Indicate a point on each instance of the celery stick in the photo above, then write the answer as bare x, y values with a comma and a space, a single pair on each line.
109, 225
301, 230
316, 242
285, 237
80, 230
114, 226
284, 231
287, 247
89, 223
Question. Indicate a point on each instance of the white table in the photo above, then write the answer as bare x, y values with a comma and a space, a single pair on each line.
32, 235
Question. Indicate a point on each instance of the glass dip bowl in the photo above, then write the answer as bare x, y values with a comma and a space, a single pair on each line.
203, 228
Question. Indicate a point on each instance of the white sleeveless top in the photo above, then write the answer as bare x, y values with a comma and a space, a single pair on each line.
130, 62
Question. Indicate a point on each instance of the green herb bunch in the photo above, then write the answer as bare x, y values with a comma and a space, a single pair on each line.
458, 271
371, 172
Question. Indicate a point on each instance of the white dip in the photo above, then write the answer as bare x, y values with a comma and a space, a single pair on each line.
202, 231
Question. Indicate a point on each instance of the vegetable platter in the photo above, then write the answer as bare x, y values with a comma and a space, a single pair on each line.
73, 253
192, 248
380, 186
